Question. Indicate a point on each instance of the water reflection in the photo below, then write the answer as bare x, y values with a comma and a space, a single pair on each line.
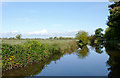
98, 48
113, 62
114, 59
83, 52
32, 69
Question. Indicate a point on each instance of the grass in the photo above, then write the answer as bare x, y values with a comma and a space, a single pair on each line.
16, 41
19, 53
13, 41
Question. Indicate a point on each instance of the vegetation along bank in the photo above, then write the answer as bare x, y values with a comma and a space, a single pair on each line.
19, 55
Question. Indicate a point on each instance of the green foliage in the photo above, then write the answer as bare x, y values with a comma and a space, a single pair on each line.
113, 61
50, 38
112, 32
98, 48
83, 52
114, 17
55, 38
98, 32
99, 36
80, 44
92, 39
11, 38
63, 38
82, 36
18, 36
60, 38
20, 55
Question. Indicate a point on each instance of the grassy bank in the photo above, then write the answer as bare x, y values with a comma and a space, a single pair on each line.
19, 53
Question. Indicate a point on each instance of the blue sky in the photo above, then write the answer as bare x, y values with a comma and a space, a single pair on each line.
44, 19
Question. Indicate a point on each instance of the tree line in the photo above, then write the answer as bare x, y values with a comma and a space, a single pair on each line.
112, 34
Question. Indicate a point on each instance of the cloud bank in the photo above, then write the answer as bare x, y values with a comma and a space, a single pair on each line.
41, 34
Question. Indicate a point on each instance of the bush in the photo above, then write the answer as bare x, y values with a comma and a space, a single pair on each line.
20, 55
31, 51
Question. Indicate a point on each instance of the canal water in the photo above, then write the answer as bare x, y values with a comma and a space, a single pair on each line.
91, 64
88, 61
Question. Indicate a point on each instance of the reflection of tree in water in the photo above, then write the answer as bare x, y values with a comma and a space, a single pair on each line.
114, 63
83, 52
98, 49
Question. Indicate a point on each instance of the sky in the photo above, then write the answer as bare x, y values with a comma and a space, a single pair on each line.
45, 19
57, 0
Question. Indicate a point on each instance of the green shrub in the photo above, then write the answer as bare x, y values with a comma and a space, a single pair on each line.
31, 51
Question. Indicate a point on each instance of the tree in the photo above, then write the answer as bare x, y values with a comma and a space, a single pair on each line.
113, 22
82, 36
55, 38
112, 33
92, 39
11, 38
18, 36
50, 38
98, 32
61, 38
99, 35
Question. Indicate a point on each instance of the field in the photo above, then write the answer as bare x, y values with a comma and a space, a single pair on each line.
22, 41
55, 43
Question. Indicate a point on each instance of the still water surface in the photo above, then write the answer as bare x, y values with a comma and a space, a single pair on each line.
93, 64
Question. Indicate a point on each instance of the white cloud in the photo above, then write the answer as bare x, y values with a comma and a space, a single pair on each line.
44, 31
42, 34
12, 32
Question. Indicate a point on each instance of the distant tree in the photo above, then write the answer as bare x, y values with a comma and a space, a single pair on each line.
18, 36
60, 38
99, 35
55, 38
50, 38
98, 32
82, 36
11, 38
92, 39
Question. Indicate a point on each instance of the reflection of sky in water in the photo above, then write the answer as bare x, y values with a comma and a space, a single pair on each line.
70, 65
